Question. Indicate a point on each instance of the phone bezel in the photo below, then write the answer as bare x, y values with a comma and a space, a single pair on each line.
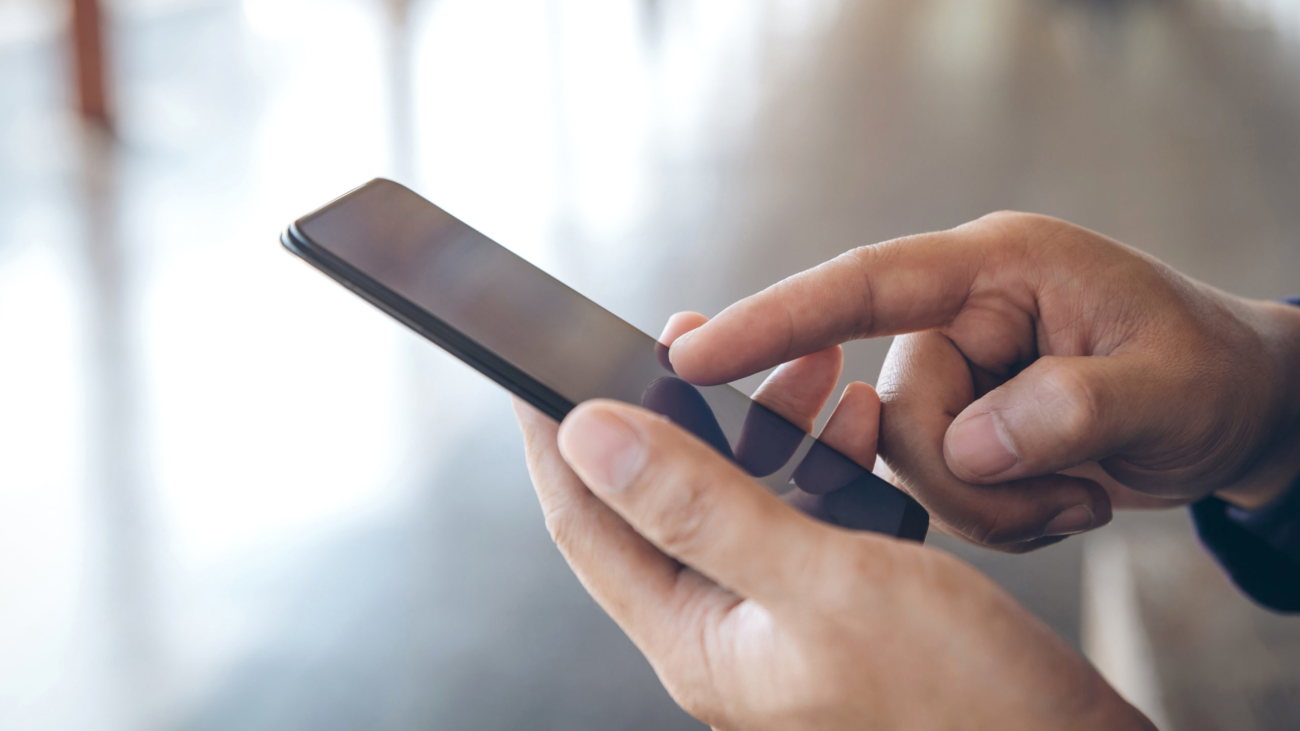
428, 325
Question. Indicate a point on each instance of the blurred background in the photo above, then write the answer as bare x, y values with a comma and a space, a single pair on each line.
232, 496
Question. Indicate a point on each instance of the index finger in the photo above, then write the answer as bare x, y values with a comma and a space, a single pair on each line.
909, 284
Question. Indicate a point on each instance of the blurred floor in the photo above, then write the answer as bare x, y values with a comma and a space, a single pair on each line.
231, 497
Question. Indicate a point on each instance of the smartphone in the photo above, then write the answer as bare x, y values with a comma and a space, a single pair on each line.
554, 348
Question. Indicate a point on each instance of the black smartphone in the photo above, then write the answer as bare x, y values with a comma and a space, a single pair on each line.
555, 348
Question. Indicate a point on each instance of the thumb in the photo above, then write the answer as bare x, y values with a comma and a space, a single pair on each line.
691, 503
1057, 413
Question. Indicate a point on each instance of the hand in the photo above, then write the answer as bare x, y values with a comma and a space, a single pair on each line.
1039, 347
757, 617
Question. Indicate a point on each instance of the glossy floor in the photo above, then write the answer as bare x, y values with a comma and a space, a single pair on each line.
232, 497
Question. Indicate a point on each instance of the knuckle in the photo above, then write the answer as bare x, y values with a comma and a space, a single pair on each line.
1005, 530
985, 530
533, 445
1005, 215
863, 557
680, 510
1019, 235
859, 262
862, 561
560, 524
993, 529
860, 258
1006, 224
1073, 400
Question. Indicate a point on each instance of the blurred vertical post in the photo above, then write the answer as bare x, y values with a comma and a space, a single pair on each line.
88, 50
401, 105
124, 530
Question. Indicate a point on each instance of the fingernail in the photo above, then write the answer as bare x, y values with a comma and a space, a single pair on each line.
663, 335
1070, 521
603, 448
979, 446
683, 338
677, 348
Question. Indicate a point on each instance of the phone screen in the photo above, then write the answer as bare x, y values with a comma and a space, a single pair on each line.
556, 348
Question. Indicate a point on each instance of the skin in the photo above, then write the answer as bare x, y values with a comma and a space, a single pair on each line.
1073, 352
755, 616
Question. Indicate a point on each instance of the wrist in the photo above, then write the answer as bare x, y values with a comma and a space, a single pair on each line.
1279, 466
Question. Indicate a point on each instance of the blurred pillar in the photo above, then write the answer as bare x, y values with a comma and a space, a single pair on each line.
125, 572
401, 104
88, 51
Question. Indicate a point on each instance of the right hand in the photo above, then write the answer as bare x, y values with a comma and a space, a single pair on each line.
1030, 347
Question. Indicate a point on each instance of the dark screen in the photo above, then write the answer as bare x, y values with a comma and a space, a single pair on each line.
536, 325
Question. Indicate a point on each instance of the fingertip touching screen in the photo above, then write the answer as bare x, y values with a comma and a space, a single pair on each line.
556, 348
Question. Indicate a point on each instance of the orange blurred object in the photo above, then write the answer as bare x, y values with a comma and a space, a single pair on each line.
88, 50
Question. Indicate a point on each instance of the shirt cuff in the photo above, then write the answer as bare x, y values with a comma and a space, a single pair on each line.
1257, 549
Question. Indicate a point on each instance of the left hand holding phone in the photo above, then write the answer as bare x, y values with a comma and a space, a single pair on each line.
756, 616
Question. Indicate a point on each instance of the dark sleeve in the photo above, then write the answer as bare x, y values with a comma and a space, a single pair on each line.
1259, 549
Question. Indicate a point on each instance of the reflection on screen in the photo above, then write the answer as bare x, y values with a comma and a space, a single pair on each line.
536, 325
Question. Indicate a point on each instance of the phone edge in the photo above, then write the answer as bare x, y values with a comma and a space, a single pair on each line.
426, 325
